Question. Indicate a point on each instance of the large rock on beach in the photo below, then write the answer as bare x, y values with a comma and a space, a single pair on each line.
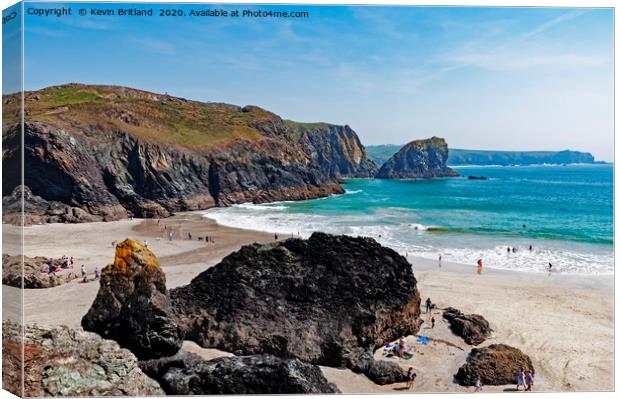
496, 364
189, 374
327, 300
473, 328
68, 362
132, 306
33, 277
419, 159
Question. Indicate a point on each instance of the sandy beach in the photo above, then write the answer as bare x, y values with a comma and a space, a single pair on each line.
564, 323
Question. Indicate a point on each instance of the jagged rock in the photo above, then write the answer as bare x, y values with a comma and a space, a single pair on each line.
32, 275
132, 306
473, 328
326, 300
189, 374
112, 152
496, 364
419, 159
67, 362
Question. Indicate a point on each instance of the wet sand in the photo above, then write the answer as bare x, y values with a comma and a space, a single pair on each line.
564, 323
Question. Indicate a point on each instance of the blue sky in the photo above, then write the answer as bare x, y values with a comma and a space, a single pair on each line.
483, 78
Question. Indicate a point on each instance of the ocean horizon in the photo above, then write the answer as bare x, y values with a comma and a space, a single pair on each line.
565, 213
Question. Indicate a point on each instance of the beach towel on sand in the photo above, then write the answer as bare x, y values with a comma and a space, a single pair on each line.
423, 340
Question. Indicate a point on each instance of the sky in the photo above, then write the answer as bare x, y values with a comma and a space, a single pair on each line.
482, 78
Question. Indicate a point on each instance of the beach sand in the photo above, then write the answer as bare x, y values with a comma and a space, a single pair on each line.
564, 323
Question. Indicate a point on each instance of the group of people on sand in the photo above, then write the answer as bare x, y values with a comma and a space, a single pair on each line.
65, 263
525, 379
85, 278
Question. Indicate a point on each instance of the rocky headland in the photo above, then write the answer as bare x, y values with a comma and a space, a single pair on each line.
105, 152
419, 159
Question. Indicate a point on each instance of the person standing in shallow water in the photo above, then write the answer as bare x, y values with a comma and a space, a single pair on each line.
479, 271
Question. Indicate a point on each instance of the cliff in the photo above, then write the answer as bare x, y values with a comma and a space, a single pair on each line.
106, 152
420, 159
381, 153
337, 149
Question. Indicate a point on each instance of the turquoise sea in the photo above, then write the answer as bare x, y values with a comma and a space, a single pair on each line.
564, 212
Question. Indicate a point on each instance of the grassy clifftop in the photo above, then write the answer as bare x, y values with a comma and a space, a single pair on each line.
156, 117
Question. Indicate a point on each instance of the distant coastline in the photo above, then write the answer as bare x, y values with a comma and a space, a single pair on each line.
464, 157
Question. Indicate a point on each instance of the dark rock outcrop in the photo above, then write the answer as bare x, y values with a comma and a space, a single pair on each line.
32, 275
132, 306
67, 362
189, 374
98, 153
378, 371
473, 328
336, 149
495, 365
327, 300
420, 159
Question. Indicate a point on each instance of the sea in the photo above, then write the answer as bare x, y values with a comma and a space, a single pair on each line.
565, 213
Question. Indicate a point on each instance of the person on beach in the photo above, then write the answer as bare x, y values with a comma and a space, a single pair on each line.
508, 249
428, 305
113, 244
146, 243
189, 235
170, 236
514, 250
275, 237
479, 271
71, 262
529, 380
478, 385
83, 270
97, 273
432, 322
520, 378
531, 248
439, 260
411, 378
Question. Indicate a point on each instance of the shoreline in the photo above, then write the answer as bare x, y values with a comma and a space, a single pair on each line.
545, 316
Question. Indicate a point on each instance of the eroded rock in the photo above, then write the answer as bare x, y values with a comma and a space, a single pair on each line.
189, 374
473, 328
326, 300
496, 364
68, 362
132, 306
33, 277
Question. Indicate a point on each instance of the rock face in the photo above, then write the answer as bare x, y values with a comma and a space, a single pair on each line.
337, 149
32, 275
189, 374
420, 159
132, 306
473, 328
494, 365
66, 362
327, 300
96, 153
